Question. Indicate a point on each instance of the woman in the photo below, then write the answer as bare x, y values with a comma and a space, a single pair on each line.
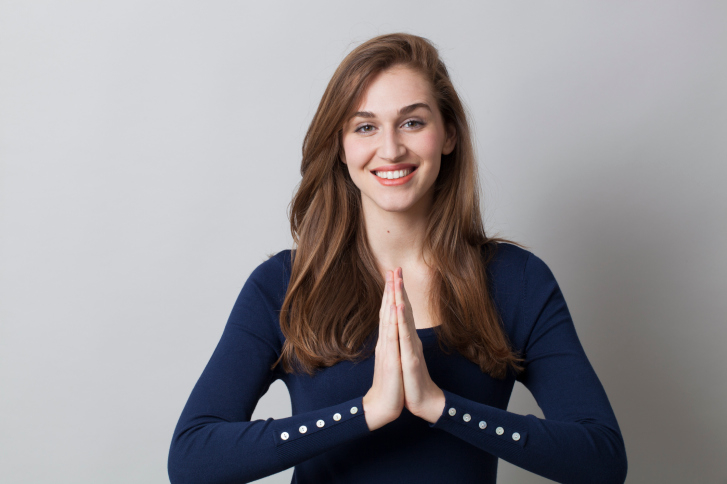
394, 382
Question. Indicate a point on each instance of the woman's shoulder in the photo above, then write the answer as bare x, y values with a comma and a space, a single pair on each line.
521, 283
506, 262
268, 282
511, 262
281, 258
258, 304
515, 273
273, 271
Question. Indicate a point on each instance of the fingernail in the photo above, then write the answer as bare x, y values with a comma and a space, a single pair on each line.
388, 275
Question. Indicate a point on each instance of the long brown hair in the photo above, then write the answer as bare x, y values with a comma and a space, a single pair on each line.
331, 307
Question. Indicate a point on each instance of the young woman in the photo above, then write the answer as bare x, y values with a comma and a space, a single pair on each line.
397, 325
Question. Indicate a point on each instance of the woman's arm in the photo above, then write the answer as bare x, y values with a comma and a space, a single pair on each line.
579, 440
215, 441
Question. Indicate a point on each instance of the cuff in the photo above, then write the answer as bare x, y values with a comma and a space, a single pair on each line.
478, 423
303, 436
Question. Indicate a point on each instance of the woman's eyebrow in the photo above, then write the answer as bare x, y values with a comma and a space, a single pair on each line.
412, 107
405, 110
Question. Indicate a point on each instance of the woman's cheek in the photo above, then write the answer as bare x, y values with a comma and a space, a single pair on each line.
431, 143
356, 154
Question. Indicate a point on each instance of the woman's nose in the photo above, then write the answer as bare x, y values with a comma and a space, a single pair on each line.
392, 147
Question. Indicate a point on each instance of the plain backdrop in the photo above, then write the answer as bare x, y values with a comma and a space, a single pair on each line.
149, 151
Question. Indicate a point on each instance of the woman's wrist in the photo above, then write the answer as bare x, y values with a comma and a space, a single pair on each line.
435, 407
372, 420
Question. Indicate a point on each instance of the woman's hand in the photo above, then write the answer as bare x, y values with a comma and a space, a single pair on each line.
385, 400
422, 397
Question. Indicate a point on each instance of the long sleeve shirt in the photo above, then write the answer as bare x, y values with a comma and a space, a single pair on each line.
327, 438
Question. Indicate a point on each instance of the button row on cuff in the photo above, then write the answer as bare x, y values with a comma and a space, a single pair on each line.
320, 423
483, 425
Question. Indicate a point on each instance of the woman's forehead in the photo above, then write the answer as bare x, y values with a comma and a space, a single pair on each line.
393, 90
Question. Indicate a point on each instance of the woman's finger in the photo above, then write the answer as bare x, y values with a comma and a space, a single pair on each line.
398, 298
384, 313
385, 294
392, 334
393, 368
408, 311
405, 338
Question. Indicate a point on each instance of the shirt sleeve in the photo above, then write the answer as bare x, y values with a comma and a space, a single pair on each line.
215, 441
579, 440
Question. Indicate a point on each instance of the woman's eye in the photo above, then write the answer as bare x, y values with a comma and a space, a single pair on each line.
413, 123
366, 128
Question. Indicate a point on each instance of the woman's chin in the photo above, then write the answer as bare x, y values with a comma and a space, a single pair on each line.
397, 207
396, 204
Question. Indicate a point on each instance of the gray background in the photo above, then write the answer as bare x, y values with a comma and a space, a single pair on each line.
149, 150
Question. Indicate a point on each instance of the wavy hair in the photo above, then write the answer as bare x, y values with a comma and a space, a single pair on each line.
330, 310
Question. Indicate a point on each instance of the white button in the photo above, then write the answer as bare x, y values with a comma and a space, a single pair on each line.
483, 424
303, 429
499, 430
452, 411
320, 423
354, 409
284, 436
516, 436
466, 417
337, 417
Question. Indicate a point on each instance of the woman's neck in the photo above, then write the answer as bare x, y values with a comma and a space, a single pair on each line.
397, 239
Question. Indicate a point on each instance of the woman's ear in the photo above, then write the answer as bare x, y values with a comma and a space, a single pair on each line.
450, 141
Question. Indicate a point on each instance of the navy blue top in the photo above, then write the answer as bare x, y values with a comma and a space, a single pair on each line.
327, 439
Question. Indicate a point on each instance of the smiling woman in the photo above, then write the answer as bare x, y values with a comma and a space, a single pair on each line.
397, 324
398, 138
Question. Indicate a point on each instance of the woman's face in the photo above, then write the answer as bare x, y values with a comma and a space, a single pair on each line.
397, 130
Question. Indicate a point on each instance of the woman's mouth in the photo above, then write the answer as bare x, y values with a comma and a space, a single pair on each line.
394, 177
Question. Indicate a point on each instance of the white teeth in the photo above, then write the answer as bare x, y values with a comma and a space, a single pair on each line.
392, 175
